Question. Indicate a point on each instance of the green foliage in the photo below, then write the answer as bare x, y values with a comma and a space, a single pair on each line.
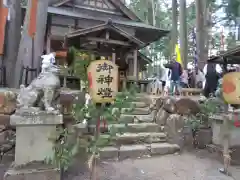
24, 2
64, 149
111, 113
231, 8
143, 9
207, 109
67, 144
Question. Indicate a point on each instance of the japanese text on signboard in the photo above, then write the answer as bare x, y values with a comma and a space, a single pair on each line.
104, 80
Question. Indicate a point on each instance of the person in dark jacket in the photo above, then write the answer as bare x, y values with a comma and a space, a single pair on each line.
212, 74
176, 72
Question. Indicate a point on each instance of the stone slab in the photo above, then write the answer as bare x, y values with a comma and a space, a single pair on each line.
125, 118
133, 138
131, 127
133, 151
144, 118
36, 119
163, 148
32, 174
138, 111
141, 127
33, 144
140, 104
128, 118
138, 150
109, 153
33, 136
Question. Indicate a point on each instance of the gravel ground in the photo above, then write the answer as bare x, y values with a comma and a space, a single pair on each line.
186, 166
197, 165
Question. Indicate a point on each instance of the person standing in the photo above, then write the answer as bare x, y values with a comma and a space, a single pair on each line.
164, 77
184, 79
212, 74
200, 78
176, 72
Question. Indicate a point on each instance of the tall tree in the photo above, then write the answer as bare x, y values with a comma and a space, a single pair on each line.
183, 33
174, 32
200, 29
13, 36
25, 53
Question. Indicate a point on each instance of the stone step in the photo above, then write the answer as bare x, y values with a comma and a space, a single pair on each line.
137, 151
141, 104
135, 104
142, 99
137, 138
131, 127
137, 127
137, 111
130, 118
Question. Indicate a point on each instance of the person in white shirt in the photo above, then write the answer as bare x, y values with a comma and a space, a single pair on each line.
200, 78
164, 77
184, 79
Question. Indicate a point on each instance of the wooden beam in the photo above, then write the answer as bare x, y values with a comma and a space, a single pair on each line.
135, 63
57, 4
48, 34
103, 10
102, 40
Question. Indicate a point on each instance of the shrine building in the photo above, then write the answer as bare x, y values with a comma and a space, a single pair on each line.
104, 27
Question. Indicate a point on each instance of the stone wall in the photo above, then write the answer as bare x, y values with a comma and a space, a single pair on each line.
8, 100
7, 133
171, 115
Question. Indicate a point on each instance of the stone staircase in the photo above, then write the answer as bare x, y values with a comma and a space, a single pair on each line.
142, 137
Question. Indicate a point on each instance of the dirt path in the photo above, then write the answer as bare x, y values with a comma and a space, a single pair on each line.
198, 165
187, 166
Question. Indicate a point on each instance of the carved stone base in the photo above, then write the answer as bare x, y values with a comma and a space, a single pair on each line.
33, 173
32, 136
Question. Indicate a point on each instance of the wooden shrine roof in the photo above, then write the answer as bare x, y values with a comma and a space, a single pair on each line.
127, 19
144, 32
142, 29
117, 36
117, 3
231, 56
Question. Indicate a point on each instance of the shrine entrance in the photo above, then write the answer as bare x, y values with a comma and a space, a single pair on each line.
108, 41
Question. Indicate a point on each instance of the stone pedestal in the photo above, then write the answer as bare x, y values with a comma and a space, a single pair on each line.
33, 131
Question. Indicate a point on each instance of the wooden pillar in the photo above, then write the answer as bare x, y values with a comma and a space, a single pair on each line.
114, 58
48, 43
135, 64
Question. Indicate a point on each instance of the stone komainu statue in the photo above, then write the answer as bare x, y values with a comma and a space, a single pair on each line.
43, 90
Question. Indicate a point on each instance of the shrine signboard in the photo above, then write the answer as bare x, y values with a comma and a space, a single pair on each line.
103, 81
231, 90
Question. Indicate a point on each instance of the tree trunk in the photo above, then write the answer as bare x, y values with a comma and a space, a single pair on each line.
201, 35
183, 33
25, 49
208, 25
151, 21
174, 33
13, 36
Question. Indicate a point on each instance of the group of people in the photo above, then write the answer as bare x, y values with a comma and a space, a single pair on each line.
174, 78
